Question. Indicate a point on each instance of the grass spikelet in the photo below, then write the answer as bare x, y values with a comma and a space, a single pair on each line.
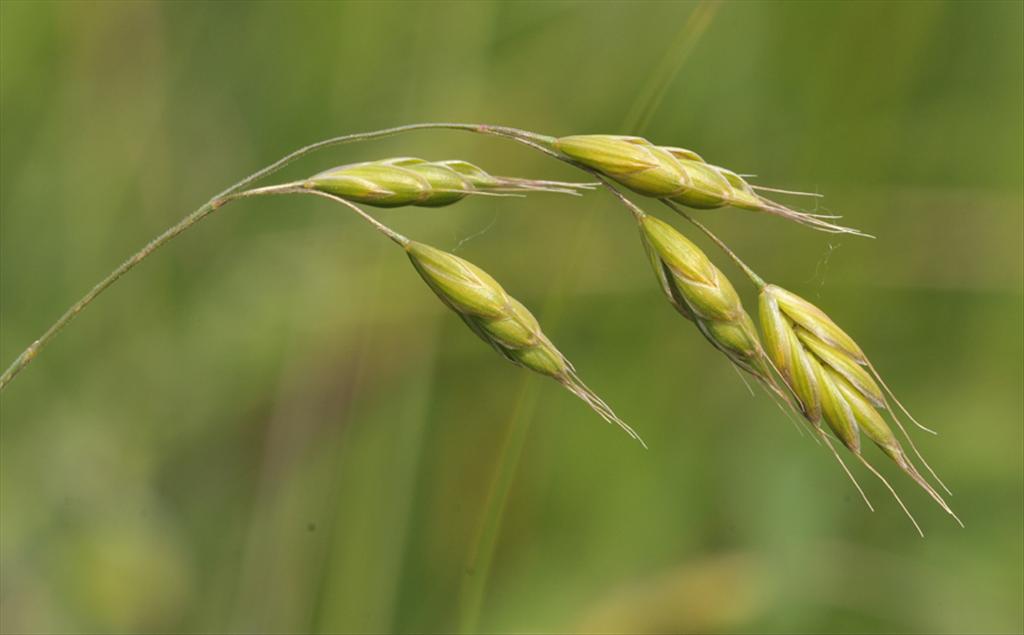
704, 295
828, 373
405, 181
502, 321
681, 176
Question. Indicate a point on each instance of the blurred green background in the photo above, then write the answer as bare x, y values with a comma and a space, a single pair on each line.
273, 426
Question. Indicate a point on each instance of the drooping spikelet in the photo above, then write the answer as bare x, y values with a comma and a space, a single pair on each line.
832, 379
703, 294
678, 175
408, 181
501, 321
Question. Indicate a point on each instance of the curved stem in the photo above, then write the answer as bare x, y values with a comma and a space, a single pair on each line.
30, 353
379, 226
503, 131
299, 187
639, 213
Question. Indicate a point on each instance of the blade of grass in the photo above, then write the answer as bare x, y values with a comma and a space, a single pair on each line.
473, 593
478, 568
648, 100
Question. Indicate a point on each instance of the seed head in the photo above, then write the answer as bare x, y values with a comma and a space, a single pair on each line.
702, 293
832, 378
409, 181
678, 175
501, 321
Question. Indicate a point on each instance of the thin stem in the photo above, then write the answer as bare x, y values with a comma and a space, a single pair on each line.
25, 358
283, 188
638, 213
379, 134
379, 226
634, 209
756, 279
32, 351
299, 187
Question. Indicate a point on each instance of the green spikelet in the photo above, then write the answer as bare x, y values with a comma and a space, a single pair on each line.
632, 161
678, 175
501, 321
832, 378
702, 293
409, 181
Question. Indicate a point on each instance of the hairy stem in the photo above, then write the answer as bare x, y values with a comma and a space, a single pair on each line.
32, 351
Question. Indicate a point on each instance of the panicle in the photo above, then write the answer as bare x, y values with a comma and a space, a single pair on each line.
501, 321
405, 181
